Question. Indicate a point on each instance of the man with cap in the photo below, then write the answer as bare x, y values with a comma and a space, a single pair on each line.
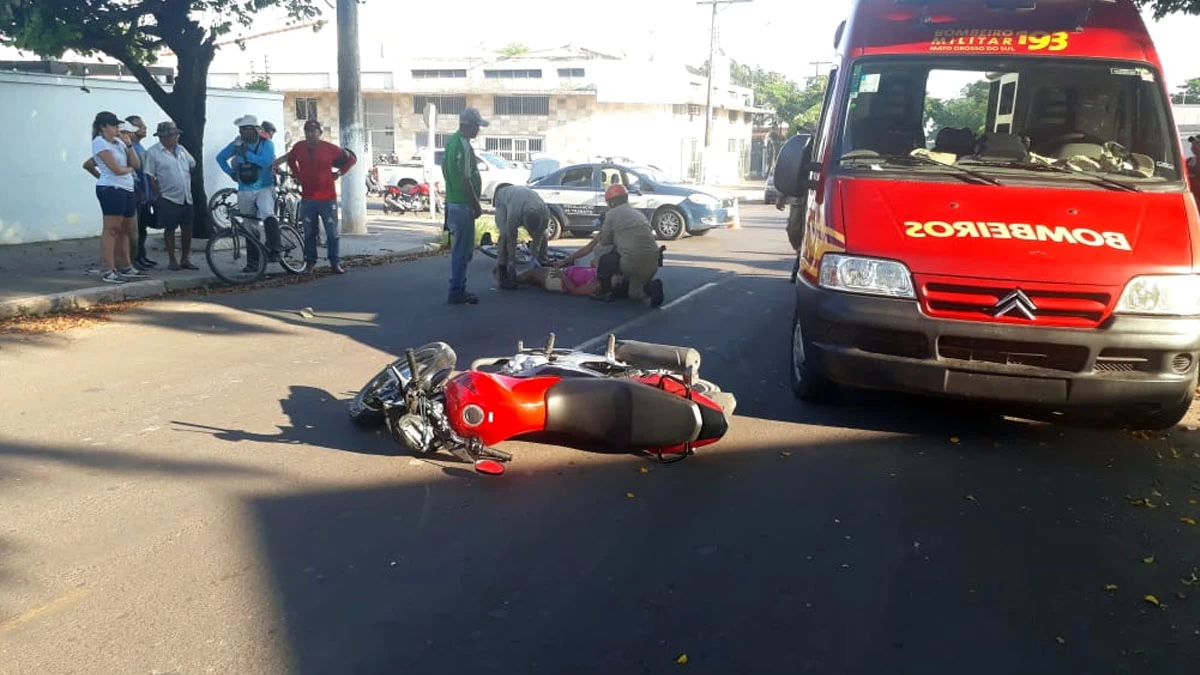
316, 164
518, 206
252, 156
169, 167
460, 170
632, 249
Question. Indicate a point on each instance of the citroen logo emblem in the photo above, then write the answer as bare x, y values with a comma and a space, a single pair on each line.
1017, 302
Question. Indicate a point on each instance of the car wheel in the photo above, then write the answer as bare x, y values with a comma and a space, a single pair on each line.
554, 228
807, 384
668, 223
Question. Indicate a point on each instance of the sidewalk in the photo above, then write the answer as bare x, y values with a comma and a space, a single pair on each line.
56, 276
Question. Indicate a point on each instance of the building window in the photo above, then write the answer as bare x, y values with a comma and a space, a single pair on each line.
570, 72
434, 74
733, 145
695, 109
377, 114
679, 109
513, 74
733, 115
306, 109
747, 117
422, 140
514, 149
521, 105
446, 105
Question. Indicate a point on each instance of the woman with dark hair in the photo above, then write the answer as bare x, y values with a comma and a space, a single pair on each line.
114, 163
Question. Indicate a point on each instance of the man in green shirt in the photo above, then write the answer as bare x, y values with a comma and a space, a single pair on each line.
460, 170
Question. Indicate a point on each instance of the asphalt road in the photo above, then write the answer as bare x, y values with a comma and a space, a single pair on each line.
181, 492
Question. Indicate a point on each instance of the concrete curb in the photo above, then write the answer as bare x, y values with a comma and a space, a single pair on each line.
84, 298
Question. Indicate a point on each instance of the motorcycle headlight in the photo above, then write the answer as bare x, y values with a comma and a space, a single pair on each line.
704, 200
1161, 295
867, 276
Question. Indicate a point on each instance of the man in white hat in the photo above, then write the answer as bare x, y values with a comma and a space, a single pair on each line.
252, 156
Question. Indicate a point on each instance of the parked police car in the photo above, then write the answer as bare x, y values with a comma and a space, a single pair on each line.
575, 195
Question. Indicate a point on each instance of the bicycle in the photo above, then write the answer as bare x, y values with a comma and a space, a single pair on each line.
224, 202
238, 239
522, 257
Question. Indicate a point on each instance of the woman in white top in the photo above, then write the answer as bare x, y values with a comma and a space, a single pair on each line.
114, 163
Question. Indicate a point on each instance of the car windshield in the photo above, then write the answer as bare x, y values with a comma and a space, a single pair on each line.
495, 160
657, 175
1100, 124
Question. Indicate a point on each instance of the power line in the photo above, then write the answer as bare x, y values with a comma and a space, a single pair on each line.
712, 48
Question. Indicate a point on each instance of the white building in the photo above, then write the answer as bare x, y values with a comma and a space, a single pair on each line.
569, 103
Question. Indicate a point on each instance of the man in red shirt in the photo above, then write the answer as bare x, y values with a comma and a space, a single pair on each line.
316, 164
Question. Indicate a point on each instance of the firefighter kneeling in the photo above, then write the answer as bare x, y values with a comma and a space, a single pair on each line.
624, 245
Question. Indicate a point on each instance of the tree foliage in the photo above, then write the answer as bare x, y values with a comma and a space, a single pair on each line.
1162, 8
968, 109
515, 49
1189, 92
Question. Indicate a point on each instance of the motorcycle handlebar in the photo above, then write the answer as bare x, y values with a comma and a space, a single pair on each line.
411, 356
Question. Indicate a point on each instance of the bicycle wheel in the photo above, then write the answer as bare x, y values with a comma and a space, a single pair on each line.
229, 254
291, 250
223, 203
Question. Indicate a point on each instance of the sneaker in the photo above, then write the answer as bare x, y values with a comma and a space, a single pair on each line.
655, 290
464, 298
133, 273
111, 277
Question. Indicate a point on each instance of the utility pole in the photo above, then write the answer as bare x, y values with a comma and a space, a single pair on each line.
705, 162
817, 67
350, 118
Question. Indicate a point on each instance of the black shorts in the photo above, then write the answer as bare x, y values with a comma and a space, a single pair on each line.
117, 202
170, 215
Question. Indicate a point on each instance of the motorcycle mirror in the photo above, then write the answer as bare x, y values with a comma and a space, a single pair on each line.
610, 351
520, 345
489, 466
550, 345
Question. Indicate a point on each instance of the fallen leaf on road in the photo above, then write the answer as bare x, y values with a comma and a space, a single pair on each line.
970, 498
629, 495
1149, 560
682, 659
954, 439
1188, 581
1060, 641
1110, 587
1188, 521
1144, 502
785, 454
1152, 600
644, 469
1155, 493
1174, 452
1181, 595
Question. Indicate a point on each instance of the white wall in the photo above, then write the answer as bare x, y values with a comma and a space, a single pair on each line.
44, 192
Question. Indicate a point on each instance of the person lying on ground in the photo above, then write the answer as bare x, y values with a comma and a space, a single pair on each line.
580, 280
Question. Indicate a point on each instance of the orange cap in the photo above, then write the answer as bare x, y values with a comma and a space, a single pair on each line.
615, 191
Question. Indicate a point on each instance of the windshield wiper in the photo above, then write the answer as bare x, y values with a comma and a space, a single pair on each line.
918, 159
1054, 168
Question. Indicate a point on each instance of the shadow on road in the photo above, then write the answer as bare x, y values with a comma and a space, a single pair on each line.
317, 419
12, 456
861, 556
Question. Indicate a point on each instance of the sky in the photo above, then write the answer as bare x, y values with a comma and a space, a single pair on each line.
781, 35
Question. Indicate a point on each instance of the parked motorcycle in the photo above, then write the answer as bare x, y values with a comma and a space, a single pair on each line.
637, 396
413, 198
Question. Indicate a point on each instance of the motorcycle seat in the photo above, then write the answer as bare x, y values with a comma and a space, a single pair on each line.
622, 413
655, 356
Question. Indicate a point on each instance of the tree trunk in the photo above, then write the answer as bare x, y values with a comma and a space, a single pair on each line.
186, 104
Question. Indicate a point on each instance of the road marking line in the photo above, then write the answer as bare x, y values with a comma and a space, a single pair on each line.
61, 601
583, 346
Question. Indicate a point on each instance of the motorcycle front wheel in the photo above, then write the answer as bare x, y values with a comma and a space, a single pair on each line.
365, 408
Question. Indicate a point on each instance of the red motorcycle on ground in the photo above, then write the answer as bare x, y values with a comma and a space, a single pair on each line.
637, 396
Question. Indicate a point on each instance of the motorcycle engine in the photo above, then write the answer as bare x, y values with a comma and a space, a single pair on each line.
415, 433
